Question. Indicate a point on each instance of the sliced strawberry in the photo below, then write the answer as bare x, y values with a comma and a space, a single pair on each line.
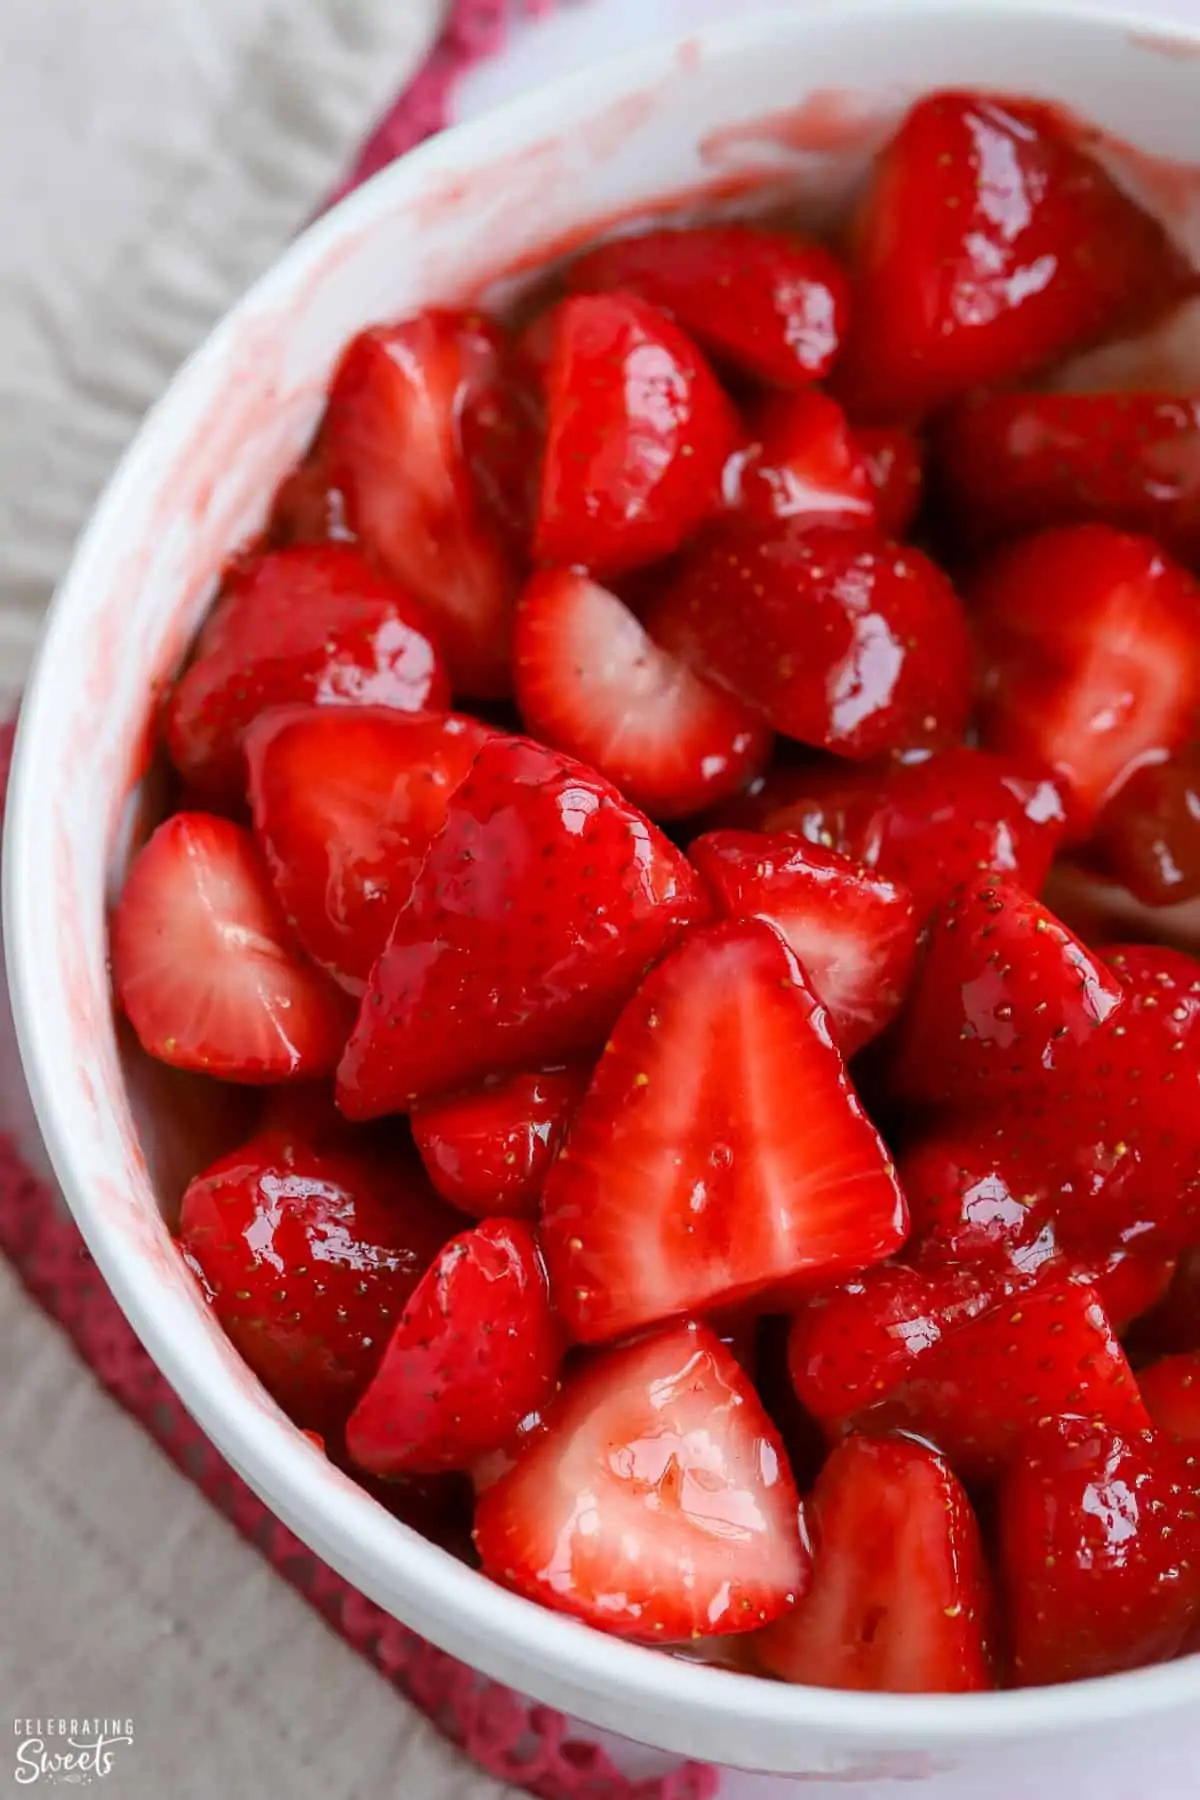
900, 1600
772, 303
854, 934
590, 681
1163, 987
690, 1180
843, 642
477, 1348
895, 465
312, 624
346, 802
309, 507
307, 1259
1093, 689
638, 433
203, 965
503, 424
656, 1502
488, 1151
1097, 1552
1148, 836
986, 246
801, 462
1174, 1325
392, 441
1171, 1391
539, 905
1006, 996
1129, 1283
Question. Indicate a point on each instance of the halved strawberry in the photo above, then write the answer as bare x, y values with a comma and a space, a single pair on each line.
690, 1180
477, 1348
655, 1502
801, 461
895, 465
391, 441
590, 681
488, 1150
203, 965
638, 433
312, 624
840, 640
853, 933
987, 245
346, 802
1098, 1552
1171, 1391
773, 303
900, 1599
539, 905
1148, 836
307, 1259
309, 507
1093, 689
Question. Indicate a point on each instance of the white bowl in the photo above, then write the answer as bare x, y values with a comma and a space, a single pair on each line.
800, 99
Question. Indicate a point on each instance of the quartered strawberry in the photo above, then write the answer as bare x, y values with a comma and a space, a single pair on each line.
488, 1150
204, 967
853, 933
1170, 1389
1148, 836
477, 1348
1010, 463
656, 1501
637, 436
1006, 997
691, 1179
847, 643
987, 245
900, 1599
895, 465
312, 624
1097, 684
1098, 1552
801, 461
392, 442
307, 1259
346, 802
590, 681
540, 904
772, 303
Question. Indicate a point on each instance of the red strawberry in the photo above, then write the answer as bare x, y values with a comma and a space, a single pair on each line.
900, 1599
1098, 1552
853, 933
895, 466
478, 1347
1163, 987
1096, 688
346, 802
541, 902
1148, 836
690, 1180
1006, 996
308, 508
203, 966
1129, 1283
848, 644
638, 433
1174, 1325
307, 1259
801, 462
988, 245
312, 624
392, 442
488, 1150
1171, 1391
590, 681
1017, 462
773, 303
656, 1501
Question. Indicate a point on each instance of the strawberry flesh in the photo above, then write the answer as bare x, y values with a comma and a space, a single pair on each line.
801, 462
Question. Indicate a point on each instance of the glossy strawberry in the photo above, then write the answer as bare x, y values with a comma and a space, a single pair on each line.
488, 1150
346, 802
1174, 1325
801, 461
591, 682
203, 965
895, 466
900, 1599
637, 435
309, 507
1170, 1389
307, 1259
690, 1180
1148, 836
655, 1502
541, 902
477, 1348
853, 933
772, 303
843, 642
312, 624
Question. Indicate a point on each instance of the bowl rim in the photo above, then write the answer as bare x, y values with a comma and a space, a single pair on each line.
499, 1631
